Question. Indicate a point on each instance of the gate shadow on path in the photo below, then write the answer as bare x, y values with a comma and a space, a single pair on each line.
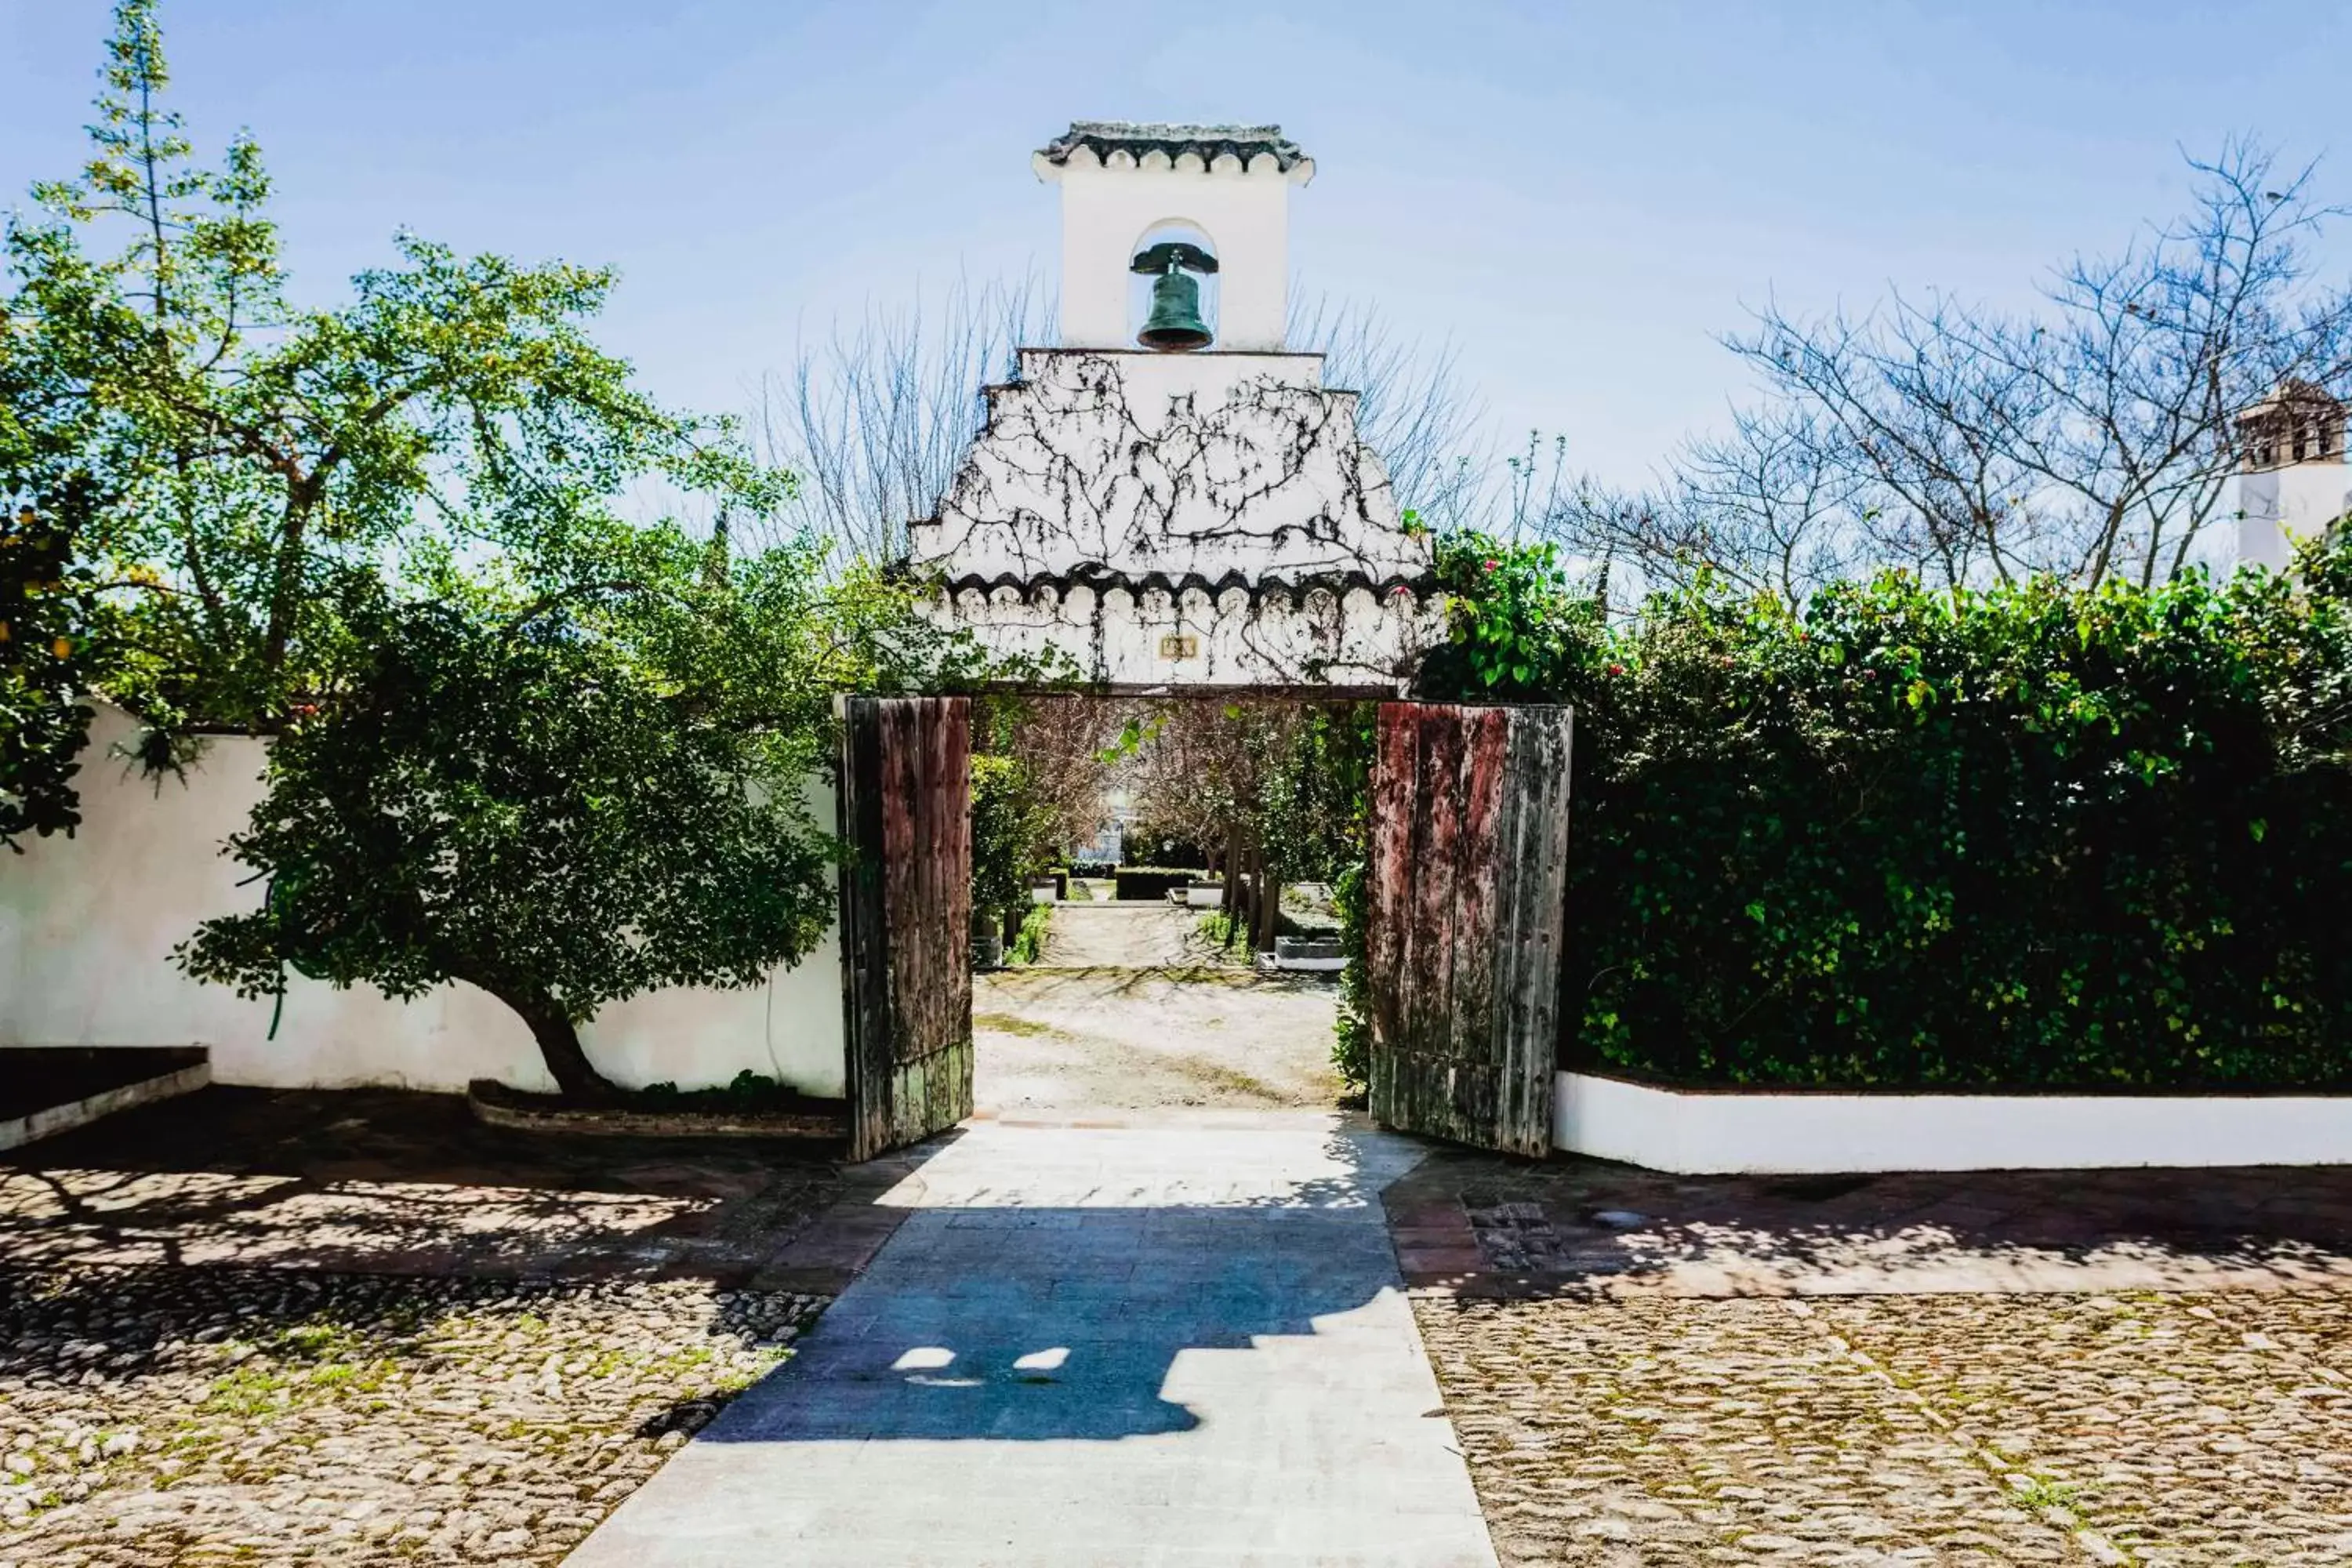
1088, 1344
988, 1316
1084, 1323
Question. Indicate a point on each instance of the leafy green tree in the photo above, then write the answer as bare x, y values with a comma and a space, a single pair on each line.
43, 654
522, 741
564, 800
999, 840
251, 459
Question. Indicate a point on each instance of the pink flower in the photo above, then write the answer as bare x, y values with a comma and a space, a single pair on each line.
1616, 669
1490, 565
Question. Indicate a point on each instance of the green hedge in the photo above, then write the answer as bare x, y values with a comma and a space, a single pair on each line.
2025, 838
1144, 882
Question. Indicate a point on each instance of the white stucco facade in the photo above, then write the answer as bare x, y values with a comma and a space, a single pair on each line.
2293, 482
2279, 508
1171, 519
1154, 521
87, 924
1120, 183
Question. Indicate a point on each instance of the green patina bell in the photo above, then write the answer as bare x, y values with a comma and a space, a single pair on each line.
1175, 325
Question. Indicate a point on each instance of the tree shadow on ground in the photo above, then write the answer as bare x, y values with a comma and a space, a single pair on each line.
398, 1182
1573, 1223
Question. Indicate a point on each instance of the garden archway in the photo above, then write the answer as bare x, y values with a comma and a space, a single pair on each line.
1156, 524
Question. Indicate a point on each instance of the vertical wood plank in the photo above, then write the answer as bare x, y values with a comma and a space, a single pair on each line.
865, 930
1466, 906
1530, 943
906, 911
1388, 879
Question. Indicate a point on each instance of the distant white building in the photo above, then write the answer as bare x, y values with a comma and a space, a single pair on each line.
2293, 480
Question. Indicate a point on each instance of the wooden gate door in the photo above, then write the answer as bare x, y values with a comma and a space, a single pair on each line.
905, 916
1466, 895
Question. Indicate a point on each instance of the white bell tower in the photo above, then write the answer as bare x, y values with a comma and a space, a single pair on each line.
2293, 480
1121, 183
1183, 515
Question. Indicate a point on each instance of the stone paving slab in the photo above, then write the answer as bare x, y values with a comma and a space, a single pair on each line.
1167, 1344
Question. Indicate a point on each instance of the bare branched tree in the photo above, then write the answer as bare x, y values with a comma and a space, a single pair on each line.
2091, 438
1414, 410
1062, 742
1768, 506
874, 418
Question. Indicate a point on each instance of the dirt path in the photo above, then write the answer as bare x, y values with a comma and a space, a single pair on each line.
1125, 936
1107, 1040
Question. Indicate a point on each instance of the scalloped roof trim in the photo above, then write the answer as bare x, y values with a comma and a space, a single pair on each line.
1099, 579
1138, 139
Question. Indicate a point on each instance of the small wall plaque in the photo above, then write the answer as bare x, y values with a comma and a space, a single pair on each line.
1179, 644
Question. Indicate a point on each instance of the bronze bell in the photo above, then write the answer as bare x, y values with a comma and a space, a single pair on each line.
1175, 325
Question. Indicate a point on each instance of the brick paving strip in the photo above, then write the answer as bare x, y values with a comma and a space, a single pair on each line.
361, 1329
2132, 1367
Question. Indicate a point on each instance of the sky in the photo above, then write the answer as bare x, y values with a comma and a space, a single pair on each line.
1580, 199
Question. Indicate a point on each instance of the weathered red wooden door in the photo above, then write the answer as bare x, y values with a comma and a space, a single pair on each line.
1466, 897
905, 916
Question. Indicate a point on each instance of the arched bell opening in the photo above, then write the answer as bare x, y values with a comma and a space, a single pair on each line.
1172, 292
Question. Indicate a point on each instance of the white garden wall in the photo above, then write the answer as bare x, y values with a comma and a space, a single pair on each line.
1720, 1133
87, 926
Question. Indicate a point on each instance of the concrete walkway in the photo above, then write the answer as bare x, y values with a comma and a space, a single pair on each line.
1177, 1343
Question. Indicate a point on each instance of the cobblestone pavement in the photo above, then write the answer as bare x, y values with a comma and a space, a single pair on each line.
2151, 1429
1495, 1227
385, 1181
2139, 1367
168, 1415
359, 1328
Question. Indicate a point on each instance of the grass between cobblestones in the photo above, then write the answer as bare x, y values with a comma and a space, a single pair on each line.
161, 1414
2202, 1431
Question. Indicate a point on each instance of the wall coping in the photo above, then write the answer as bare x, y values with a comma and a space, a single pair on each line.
1729, 1132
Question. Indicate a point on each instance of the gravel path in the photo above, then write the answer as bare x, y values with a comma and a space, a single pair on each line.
1126, 936
1968, 1429
1105, 1041
169, 1415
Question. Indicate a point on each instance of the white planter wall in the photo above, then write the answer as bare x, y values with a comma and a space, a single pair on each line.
1724, 1133
87, 926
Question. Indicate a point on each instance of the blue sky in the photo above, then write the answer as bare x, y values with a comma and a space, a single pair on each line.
1578, 197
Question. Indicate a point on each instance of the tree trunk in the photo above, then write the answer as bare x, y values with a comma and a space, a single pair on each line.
558, 1046
576, 1075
